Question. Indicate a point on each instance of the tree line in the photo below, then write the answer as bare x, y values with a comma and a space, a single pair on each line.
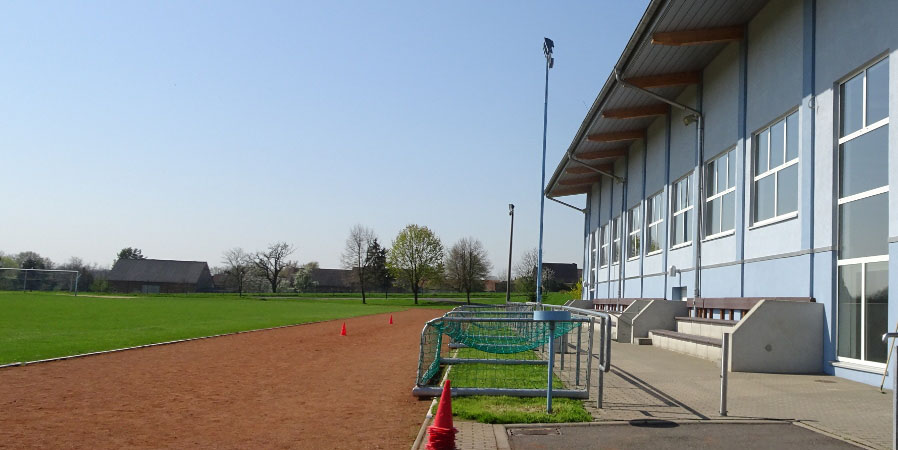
415, 260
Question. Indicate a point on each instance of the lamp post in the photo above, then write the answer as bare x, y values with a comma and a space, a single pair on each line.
510, 242
548, 45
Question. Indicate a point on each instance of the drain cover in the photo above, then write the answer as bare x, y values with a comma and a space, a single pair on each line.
534, 431
824, 381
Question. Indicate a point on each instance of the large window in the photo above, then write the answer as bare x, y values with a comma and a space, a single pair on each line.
605, 242
682, 212
720, 194
615, 240
776, 170
863, 204
634, 232
654, 210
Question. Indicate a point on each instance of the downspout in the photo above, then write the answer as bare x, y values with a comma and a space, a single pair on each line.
700, 137
623, 216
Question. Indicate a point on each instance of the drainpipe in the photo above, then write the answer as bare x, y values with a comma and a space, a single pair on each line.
623, 217
700, 137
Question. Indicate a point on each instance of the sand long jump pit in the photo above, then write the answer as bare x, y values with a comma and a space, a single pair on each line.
298, 387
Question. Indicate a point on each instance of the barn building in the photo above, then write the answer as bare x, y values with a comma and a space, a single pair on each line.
153, 276
739, 157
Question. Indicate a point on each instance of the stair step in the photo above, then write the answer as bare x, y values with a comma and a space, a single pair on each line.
704, 340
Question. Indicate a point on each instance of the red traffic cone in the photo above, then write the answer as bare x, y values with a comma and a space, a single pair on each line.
343, 331
391, 319
441, 435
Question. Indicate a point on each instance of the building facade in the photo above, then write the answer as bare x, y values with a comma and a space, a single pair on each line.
750, 140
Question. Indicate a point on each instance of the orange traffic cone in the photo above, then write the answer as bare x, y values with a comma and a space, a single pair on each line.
343, 331
441, 435
391, 319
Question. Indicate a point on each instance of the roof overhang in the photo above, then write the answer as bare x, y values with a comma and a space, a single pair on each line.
673, 42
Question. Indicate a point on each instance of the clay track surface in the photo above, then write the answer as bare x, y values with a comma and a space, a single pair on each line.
298, 387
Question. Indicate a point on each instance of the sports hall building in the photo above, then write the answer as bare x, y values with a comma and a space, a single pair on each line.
740, 154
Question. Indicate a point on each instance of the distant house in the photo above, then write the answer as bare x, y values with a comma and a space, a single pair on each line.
566, 275
150, 276
332, 280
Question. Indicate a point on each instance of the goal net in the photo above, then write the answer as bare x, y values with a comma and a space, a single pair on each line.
15, 279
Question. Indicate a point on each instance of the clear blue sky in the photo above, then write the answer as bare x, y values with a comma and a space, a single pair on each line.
187, 128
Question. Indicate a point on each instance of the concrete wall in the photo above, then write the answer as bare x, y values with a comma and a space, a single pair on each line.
779, 337
657, 315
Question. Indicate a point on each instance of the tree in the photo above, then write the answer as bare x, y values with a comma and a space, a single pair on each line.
525, 273
272, 261
356, 251
376, 262
238, 264
305, 277
467, 265
415, 257
130, 253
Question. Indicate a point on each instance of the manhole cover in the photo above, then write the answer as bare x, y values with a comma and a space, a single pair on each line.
824, 381
653, 423
534, 431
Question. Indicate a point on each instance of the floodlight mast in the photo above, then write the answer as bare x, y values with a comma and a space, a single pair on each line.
548, 45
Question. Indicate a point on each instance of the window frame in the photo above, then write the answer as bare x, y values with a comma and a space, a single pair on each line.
637, 232
616, 240
755, 178
863, 260
657, 197
675, 212
729, 190
604, 246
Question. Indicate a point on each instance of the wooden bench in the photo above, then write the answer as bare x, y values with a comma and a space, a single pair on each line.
704, 307
612, 304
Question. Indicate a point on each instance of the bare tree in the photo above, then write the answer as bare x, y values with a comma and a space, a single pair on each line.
467, 265
355, 254
238, 264
416, 257
525, 273
272, 261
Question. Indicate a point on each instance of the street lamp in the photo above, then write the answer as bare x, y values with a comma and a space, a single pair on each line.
510, 242
548, 45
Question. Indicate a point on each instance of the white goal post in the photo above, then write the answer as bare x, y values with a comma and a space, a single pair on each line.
73, 285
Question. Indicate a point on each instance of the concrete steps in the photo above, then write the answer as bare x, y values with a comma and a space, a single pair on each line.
697, 337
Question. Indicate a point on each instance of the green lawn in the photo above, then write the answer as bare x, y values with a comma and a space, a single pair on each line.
504, 409
46, 325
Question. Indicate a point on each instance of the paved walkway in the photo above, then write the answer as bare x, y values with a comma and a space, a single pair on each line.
649, 383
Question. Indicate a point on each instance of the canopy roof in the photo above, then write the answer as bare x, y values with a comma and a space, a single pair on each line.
673, 42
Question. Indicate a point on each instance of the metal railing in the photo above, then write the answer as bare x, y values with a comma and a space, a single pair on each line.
885, 339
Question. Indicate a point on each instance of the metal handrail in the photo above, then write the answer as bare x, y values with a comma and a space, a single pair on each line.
885, 339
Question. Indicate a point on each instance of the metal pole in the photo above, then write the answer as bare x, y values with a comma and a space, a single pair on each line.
77, 277
551, 364
547, 48
885, 339
577, 376
724, 362
592, 325
25, 281
601, 380
510, 242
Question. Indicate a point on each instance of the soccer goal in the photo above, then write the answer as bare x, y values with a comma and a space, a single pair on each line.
508, 350
15, 279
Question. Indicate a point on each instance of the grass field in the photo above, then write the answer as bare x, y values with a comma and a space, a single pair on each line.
504, 409
45, 325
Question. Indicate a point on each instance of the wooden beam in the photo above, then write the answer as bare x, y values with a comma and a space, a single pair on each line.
616, 136
699, 37
604, 154
581, 180
578, 169
569, 191
659, 109
666, 79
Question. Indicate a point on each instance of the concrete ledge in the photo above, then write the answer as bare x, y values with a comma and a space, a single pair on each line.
779, 337
689, 338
